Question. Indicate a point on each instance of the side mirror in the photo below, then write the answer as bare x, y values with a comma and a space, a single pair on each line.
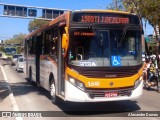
64, 44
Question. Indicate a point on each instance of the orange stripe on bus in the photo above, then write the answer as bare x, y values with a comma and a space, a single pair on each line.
44, 57
50, 59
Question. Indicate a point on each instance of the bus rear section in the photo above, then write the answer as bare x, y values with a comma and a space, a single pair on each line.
104, 59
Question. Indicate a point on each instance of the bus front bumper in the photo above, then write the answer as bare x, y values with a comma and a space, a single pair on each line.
76, 95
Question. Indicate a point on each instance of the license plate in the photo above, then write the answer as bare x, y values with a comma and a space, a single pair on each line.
111, 94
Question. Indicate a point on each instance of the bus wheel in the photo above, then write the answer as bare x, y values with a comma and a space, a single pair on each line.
53, 92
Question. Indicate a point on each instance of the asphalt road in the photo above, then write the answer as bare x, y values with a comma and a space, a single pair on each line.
32, 98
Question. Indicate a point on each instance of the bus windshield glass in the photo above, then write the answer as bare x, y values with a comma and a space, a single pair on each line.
13, 50
96, 47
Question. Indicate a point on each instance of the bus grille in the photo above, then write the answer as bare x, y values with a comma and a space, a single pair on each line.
108, 74
103, 72
101, 93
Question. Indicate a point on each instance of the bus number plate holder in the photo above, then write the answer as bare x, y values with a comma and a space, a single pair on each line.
111, 94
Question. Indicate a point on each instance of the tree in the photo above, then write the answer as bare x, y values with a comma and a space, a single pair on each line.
1, 48
36, 24
133, 6
147, 9
116, 5
151, 11
18, 39
19, 50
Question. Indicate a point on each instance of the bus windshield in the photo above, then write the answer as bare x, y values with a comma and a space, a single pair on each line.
13, 50
104, 47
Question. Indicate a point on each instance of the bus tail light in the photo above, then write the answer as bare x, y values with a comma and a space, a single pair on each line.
77, 83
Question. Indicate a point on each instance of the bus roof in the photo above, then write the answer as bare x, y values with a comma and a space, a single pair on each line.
100, 11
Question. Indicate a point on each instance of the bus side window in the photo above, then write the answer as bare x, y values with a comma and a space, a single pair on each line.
54, 44
31, 45
46, 42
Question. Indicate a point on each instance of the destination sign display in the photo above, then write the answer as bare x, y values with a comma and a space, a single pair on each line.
84, 34
104, 18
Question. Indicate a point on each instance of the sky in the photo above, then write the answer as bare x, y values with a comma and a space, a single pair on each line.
13, 26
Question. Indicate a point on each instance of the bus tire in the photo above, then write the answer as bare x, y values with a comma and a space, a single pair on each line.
53, 95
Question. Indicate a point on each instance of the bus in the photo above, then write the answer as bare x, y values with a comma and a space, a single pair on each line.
10, 50
7, 53
87, 56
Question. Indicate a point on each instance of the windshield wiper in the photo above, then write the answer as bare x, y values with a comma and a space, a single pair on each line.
123, 36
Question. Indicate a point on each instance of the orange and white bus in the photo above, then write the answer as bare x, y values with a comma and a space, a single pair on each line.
87, 56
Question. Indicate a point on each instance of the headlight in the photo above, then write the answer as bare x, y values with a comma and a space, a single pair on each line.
72, 81
77, 83
80, 85
137, 83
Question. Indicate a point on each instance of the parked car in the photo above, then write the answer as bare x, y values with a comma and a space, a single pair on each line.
19, 64
14, 58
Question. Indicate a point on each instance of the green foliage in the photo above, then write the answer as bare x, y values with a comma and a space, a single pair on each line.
132, 5
150, 9
147, 9
19, 50
1, 48
36, 24
16, 39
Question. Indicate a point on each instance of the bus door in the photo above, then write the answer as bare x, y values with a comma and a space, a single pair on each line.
61, 62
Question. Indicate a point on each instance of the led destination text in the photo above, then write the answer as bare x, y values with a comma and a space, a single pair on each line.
103, 19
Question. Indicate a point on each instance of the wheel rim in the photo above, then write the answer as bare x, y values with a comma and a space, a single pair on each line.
53, 92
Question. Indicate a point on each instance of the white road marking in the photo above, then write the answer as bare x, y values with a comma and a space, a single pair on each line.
11, 96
